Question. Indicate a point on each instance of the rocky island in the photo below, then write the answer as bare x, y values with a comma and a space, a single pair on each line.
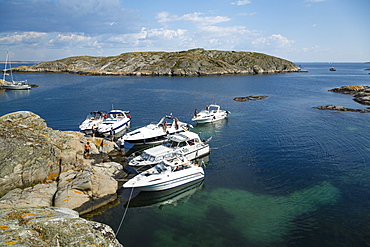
361, 94
195, 62
45, 184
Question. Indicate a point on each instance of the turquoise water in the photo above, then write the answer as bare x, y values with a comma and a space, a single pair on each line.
280, 173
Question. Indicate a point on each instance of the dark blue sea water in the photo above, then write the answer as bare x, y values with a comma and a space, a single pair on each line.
280, 173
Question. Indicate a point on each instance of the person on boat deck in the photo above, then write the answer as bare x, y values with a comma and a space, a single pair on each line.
87, 150
111, 132
176, 123
195, 112
165, 126
207, 108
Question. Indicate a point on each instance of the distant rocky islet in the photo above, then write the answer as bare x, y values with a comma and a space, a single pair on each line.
194, 62
361, 94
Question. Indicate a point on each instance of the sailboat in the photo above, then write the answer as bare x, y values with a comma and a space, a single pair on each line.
14, 85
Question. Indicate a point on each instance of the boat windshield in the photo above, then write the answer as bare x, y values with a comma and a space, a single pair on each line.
213, 109
94, 115
161, 167
172, 144
145, 156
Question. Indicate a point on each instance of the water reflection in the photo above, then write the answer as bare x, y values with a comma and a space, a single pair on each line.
172, 197
13, 94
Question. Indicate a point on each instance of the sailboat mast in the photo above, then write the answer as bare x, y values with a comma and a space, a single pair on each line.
10, 68
6, 63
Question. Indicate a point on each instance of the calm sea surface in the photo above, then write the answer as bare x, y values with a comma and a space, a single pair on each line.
280, 173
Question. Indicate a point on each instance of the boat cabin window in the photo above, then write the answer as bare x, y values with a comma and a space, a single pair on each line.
145, 156
182, 144
193, 141
168, 156
159, 158
172, 144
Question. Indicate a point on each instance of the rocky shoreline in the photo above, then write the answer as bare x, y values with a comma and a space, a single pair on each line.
195, 62
361, 94
44, 169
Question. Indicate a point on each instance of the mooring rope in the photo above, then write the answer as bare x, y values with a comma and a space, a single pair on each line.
124, 214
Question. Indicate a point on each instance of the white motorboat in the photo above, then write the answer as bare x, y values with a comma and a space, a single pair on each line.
175, 196
166, 175
186, 143
116, 120
210, 114
93, 118
12, 85
156, 132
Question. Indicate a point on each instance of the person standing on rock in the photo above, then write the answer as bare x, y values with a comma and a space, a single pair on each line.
87, 150
111, 134
93, 129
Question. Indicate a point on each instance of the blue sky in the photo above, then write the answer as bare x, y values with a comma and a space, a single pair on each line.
297, 30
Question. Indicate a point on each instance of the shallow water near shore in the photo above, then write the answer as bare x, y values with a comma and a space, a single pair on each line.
280, 173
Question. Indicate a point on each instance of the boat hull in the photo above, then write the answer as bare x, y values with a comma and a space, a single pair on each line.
150, 140
209, 119
210, 116
147, 141
173, 183
86, 126
156, 133
201, 150
118, 128
17, 87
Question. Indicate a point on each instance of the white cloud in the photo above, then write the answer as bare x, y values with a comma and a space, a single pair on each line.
241, 2
196, 17
70, 39
215, 31
148, 36
24, 37
165, 33
275, 40
165, 17
208, 20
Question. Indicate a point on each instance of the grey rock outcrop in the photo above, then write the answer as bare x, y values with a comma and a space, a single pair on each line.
50, 226
31, 151
195, 62
40, 195
361, 95
249, 98
40, 166
89, 188
341, 108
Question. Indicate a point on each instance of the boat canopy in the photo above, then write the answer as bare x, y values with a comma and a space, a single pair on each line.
183, 136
